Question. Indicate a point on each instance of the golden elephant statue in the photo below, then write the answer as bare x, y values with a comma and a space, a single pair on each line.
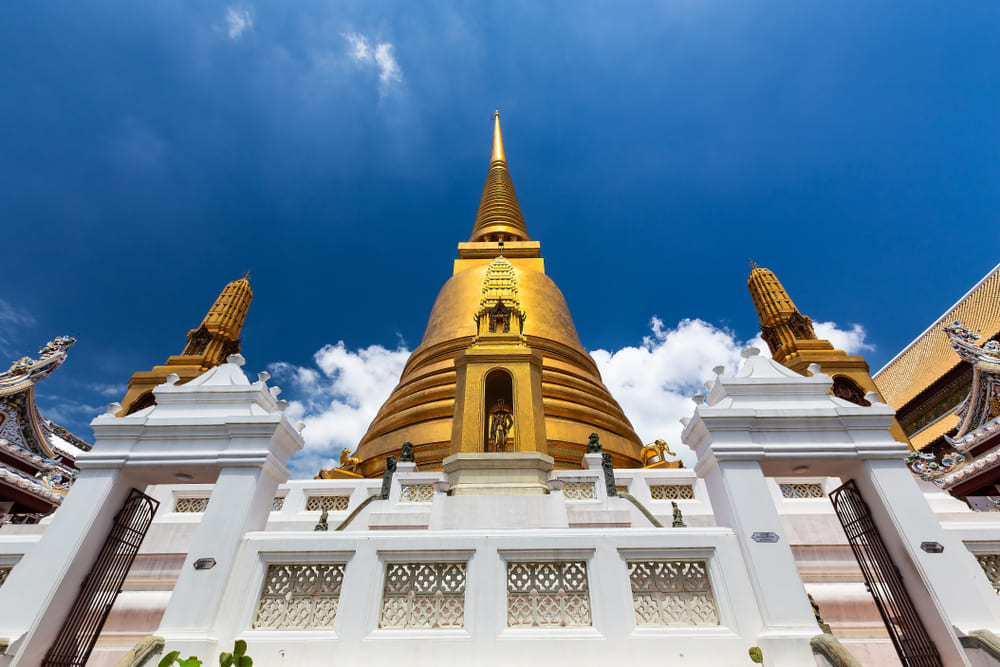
655, 450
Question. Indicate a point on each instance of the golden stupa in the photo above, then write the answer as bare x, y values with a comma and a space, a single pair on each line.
499, 336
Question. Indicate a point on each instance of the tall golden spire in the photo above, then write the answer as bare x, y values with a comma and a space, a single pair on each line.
499, 217
781, 323
216, 338
793, 342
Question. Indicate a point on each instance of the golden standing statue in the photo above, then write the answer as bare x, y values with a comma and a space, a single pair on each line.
501, 421
655, 450
348, 462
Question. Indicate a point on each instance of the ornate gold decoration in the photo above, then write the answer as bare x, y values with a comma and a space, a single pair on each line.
216, 338
348, 462
559, 397
501, 422
655, 450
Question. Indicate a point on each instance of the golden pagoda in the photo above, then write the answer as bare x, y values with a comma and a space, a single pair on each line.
207, 346
500, 367
793, 342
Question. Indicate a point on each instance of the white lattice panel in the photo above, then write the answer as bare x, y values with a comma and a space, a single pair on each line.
798, 490
299, 596
328, 503
671, 491
672, 593
991, 566
277, 504
193, 505
416, 493
4, 572
547, 594
423, 595
579, 491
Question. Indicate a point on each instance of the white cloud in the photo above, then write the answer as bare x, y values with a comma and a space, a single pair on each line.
653, 382
338, 401
109, 390
360, 50
12, 320
238, 21
851, 341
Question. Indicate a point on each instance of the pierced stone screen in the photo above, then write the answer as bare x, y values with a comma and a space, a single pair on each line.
579, 491
299, 597
416, 493
547, 594
797, 490
423, 595
991, 566
672, 593
328, 503
193, 505
671, 492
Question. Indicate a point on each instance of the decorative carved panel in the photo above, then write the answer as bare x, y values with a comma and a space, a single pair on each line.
796, 490
672, 593
192, 505
416, 493
299, 596
671, 492
579, 491
547, 594
991, 566
328, 503
277, 504
423, 595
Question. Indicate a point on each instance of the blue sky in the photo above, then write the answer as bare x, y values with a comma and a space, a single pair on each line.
151, 152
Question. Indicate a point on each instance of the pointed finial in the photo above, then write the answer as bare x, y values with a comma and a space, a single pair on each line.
246, 276
498, 154
753, 264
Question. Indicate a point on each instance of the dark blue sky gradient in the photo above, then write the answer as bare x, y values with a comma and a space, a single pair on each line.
146, 159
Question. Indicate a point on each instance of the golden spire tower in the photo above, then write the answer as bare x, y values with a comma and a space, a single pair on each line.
499, 330
793, 342
216, 338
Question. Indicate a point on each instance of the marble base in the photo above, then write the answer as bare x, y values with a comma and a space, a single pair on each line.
498, 474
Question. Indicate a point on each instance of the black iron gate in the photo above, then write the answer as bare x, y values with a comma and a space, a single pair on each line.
882, 578
79, 631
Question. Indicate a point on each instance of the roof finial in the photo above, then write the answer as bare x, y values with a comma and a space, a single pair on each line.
498, 154
246, 276
753, 264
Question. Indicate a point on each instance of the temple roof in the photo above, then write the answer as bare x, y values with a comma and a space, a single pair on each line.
927, 358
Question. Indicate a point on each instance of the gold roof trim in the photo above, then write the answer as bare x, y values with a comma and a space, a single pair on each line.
929, 356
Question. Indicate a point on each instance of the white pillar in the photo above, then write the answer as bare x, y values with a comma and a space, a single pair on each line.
741, 500
40, 590
240, 502
948, 589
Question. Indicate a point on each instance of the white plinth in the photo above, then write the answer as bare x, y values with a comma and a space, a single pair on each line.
498, 474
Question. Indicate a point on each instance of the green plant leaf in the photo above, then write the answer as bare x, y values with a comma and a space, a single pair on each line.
226, 659
192, 661
169, 659
245, 661
240, 649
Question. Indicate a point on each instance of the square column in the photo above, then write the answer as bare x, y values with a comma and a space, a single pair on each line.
741, 500
41, 589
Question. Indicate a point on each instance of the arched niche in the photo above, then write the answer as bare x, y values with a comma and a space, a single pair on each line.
498, 385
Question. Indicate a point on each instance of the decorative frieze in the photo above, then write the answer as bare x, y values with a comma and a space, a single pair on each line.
991, 566
190, 504
328, 503
299, 596
672, 593
547, 594
671, 491
797, 490
579, 491
423, 595
416, 493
